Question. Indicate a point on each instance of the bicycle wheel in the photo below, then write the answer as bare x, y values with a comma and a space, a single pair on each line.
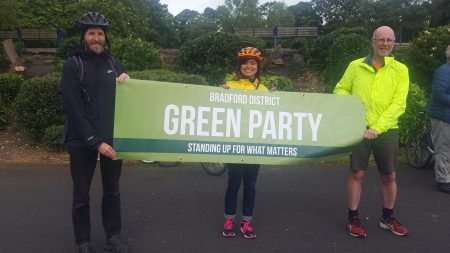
418, 150
215, 169
167, 164
146, 161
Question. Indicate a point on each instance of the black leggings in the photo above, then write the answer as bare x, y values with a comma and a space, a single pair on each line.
82, 166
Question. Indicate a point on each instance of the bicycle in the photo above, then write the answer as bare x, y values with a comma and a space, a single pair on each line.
420, 149
215, 169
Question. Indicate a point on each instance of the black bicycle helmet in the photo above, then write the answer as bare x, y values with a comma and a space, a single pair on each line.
93, 19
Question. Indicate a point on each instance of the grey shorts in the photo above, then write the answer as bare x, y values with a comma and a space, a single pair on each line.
385, 150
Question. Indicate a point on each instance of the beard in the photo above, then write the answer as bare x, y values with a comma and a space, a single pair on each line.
96, 47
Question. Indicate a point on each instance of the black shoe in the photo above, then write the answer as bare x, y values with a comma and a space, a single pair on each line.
85, 247
443, 187
116, 246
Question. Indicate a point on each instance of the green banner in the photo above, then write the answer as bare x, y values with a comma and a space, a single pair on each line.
192, 123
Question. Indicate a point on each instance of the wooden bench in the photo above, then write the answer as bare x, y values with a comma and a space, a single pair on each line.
279, 32
29, 34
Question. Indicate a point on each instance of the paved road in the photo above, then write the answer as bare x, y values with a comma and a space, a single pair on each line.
298, 209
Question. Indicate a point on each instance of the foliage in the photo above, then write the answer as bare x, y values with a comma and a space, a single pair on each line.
412, 120
239, 13
52, 136
9, 13
406, 17
304, 14
193, 24
277, 14
333, 52
214, 55
318, 52
38, 105
168, 76
9, 87
67, 46
426, 53
4, 64
342, 51
280, 82
148, 19
440, 12
136, 53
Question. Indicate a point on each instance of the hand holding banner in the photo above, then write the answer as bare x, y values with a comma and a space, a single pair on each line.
192, 123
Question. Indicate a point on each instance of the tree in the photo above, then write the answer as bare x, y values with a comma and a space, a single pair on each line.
304, 14
342, 13
192, 24
276, 14
239, 13
440, 12
10, 10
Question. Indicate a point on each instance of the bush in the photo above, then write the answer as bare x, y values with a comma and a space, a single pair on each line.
9, 87
52, 136
136, 53
426, 53
214, 55
282, 83
342, 51
38, 105
412, 120
67, 46
168, 76
319, 51
4, 64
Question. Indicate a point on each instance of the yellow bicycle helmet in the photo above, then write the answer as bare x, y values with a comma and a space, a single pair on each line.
250, 53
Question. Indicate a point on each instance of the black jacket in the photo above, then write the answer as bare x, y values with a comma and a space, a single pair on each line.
88, 86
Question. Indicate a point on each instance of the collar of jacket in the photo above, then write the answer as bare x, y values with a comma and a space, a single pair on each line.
89, 54
367, 62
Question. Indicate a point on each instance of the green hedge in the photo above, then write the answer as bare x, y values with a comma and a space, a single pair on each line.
412, 120
38, 105
9, 87
52, 136
214, 55
135, 53
168, 76
426, 53
282, 83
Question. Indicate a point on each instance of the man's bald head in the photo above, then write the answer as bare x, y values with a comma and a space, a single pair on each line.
383, 41
383, 31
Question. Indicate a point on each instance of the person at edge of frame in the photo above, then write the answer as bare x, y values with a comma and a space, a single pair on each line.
382, 84
439, 110
88, 83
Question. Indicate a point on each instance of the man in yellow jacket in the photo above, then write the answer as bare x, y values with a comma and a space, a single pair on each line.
382, 84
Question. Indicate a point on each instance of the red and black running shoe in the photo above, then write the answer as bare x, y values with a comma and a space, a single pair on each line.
247, 230
228, 228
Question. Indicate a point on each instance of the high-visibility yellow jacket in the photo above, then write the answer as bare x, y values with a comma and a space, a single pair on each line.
383, 92
245, 84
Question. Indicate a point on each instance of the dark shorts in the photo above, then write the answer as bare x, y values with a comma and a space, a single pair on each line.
385, 150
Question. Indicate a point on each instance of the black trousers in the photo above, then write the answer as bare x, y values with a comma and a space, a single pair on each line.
236, 174
82, 166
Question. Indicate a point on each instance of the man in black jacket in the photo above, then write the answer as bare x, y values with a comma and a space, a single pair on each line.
88, 87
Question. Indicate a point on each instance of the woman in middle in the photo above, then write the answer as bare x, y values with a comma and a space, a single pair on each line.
248, 78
